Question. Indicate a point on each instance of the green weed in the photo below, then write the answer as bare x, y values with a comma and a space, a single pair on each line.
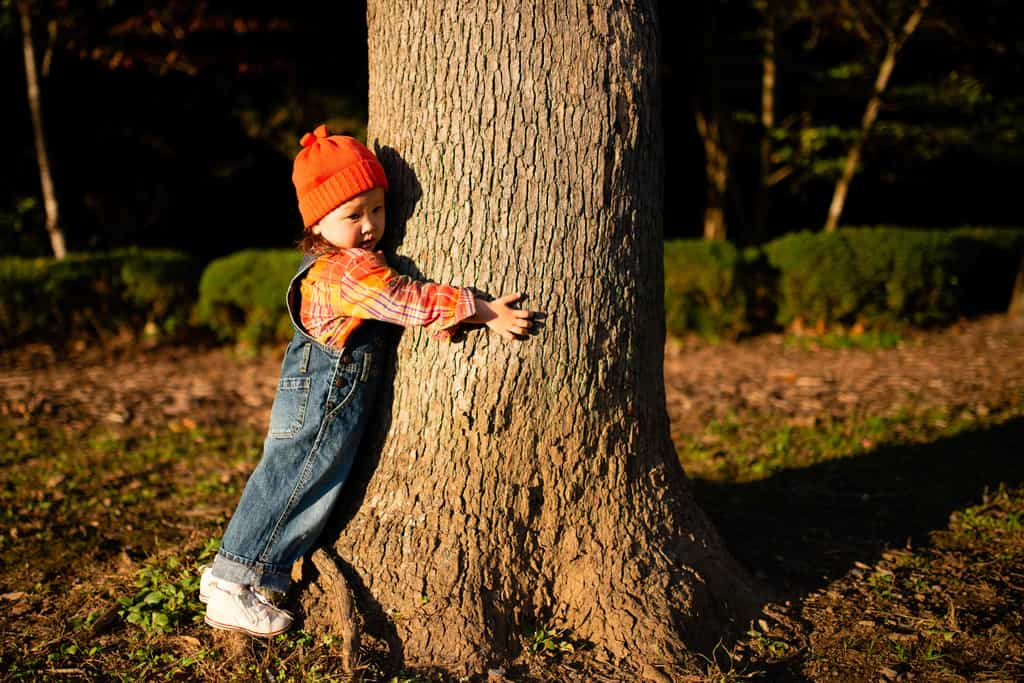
167, 597
882, 583
767, 645
549, 640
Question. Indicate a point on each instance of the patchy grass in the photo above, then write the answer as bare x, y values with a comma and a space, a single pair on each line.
895, 543
755, 446
869, 340
949, 611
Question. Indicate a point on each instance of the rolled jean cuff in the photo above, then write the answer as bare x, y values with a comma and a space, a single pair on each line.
230, 567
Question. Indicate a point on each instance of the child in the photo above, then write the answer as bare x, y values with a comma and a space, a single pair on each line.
328, 377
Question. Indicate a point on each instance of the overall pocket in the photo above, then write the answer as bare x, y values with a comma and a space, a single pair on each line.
289, 411
348, 380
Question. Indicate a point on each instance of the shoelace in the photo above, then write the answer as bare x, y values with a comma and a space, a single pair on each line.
253, 593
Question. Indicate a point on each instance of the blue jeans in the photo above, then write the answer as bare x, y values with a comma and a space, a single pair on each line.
319, 414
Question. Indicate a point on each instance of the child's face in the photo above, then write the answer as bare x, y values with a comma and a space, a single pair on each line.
359, 222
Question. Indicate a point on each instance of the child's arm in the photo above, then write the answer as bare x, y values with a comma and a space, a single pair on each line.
510, 323
364, 286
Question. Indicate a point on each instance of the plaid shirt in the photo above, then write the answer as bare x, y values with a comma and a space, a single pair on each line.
344, 287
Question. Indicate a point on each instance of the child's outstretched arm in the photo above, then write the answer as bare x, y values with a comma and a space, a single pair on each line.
511, 323
360, 284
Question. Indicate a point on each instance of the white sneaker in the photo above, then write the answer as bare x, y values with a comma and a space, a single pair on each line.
231, 607
206, 584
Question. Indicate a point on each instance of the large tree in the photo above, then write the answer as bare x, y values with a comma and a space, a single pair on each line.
519, 485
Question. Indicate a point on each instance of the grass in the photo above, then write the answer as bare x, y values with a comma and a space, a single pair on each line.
821, 511
947, 611
869, 340
756, 446
897, 541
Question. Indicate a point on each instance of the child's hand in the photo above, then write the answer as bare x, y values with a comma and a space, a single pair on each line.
510, 323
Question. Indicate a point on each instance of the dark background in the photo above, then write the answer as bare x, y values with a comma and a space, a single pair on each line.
146, 153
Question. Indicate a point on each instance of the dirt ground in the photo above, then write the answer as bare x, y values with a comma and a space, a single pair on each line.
975, 363
905, 564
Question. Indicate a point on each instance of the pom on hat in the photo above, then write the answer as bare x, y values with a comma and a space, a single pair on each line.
329, 170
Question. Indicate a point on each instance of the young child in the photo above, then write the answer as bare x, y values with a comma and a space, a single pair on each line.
328, 378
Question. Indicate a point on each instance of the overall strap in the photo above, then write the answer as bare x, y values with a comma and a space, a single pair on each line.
293, 299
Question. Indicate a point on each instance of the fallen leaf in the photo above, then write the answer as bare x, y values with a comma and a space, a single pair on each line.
189, 640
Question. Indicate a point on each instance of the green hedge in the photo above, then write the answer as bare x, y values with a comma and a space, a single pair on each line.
134, 290
711, 288
242, 296
888, 277
882, 277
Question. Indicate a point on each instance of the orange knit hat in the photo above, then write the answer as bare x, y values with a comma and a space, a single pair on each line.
329, 170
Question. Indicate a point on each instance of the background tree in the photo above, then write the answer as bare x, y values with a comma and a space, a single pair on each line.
884, 26
776, 162
192, 111
768, 77
514, 486
712, 122
32, 81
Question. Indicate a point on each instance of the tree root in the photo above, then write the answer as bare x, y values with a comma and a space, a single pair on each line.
324, 604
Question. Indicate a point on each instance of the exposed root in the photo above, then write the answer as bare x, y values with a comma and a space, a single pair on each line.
325, 606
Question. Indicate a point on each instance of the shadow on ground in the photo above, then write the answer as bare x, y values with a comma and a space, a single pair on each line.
801, 528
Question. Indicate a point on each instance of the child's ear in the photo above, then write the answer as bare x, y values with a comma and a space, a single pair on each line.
315, 229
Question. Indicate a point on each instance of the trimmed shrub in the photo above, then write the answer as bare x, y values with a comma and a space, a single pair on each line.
96, 294
242, 296
889, 277
711, 288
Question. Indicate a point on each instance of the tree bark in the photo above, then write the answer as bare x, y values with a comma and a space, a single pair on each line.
513, 486
53, 228
892, 48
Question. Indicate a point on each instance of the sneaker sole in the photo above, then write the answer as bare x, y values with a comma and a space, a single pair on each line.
255, 634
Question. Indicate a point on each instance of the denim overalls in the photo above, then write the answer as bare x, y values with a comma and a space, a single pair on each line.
319, 413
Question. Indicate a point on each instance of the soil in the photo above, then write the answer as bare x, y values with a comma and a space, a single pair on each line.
880, 570
975, 363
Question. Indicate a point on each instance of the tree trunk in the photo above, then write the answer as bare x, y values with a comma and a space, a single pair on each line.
1017, 297
45, 178
716, 171
515, 486
893, 45
707, 110
767, 121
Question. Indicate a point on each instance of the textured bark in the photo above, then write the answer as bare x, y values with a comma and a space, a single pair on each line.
53, 228
326, 603
510, 486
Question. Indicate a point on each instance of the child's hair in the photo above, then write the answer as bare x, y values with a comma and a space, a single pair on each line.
313, 244
328, 171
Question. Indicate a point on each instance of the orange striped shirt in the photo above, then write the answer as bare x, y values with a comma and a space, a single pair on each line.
345, 287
